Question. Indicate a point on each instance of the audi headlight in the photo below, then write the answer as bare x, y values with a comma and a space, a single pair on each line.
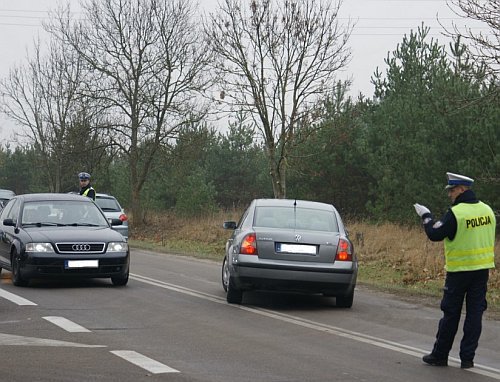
39, 247
119, 246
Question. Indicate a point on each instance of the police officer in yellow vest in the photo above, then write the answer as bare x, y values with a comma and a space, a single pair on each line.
468, 231
85, 188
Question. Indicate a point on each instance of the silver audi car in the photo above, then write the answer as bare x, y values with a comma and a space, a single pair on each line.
290, 245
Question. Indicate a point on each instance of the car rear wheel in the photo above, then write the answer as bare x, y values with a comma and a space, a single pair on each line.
17, 279
345, 301
120, 280
225, 274
234, 295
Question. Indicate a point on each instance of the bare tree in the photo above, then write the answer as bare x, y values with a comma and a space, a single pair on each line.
148, 62
42, 97
484, 47
274, 59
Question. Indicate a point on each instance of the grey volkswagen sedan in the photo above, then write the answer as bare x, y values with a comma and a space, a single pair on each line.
60, 235
289, 245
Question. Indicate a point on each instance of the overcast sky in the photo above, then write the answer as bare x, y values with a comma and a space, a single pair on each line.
380, 26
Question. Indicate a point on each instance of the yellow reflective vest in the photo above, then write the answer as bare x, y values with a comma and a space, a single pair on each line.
86, 192
473, 245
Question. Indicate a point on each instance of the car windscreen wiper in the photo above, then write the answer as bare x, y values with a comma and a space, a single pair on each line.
43, 224
83, 224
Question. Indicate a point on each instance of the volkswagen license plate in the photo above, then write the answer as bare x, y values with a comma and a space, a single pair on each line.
296, 248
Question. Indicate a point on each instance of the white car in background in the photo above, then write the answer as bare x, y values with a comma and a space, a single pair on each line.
113, 210
5, 196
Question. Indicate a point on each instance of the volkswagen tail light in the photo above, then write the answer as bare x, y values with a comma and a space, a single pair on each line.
344, 251
249, 245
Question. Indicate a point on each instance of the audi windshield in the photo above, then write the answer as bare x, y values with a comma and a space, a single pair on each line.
62, 213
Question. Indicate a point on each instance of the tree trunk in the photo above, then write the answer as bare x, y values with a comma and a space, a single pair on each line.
137, 212
278, 174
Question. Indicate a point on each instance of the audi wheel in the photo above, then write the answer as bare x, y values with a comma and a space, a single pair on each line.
17, 279
120, 280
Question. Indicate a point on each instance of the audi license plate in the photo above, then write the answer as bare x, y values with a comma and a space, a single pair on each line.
71, 264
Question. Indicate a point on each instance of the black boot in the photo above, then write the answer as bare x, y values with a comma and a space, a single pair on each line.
431, 359
466, 364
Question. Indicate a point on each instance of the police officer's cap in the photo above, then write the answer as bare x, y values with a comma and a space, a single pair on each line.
84, 175
458, 180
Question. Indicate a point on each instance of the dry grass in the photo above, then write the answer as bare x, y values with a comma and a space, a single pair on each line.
406, 249
398, 258
394, 258
200, 236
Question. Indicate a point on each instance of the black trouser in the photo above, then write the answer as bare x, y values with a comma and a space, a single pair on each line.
472, 286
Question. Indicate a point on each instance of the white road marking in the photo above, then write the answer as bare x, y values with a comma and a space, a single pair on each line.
15, 298
140, 360
9, 339
66, 324
144, 362
360, 337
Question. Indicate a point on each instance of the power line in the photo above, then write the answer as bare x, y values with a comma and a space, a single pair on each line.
20, 25
21, 17
404, 26
340, 18
22, 10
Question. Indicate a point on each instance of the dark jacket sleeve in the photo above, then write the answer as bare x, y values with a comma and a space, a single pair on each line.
91, 194
440, 229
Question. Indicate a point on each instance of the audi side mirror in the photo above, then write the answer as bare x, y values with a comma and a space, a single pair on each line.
115, 222
9, 222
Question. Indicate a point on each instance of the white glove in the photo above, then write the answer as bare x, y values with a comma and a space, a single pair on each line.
421, 210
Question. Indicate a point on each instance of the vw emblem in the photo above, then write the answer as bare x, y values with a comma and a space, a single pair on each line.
298, 238
80, 247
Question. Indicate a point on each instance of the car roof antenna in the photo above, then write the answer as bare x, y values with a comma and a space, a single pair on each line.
295, 214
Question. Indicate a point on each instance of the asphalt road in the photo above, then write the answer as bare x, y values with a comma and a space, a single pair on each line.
172, 323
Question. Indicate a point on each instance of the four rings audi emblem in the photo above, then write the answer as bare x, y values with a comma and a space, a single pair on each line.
84, 248
80, 247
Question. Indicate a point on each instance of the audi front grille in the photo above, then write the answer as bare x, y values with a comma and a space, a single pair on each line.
80, 247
